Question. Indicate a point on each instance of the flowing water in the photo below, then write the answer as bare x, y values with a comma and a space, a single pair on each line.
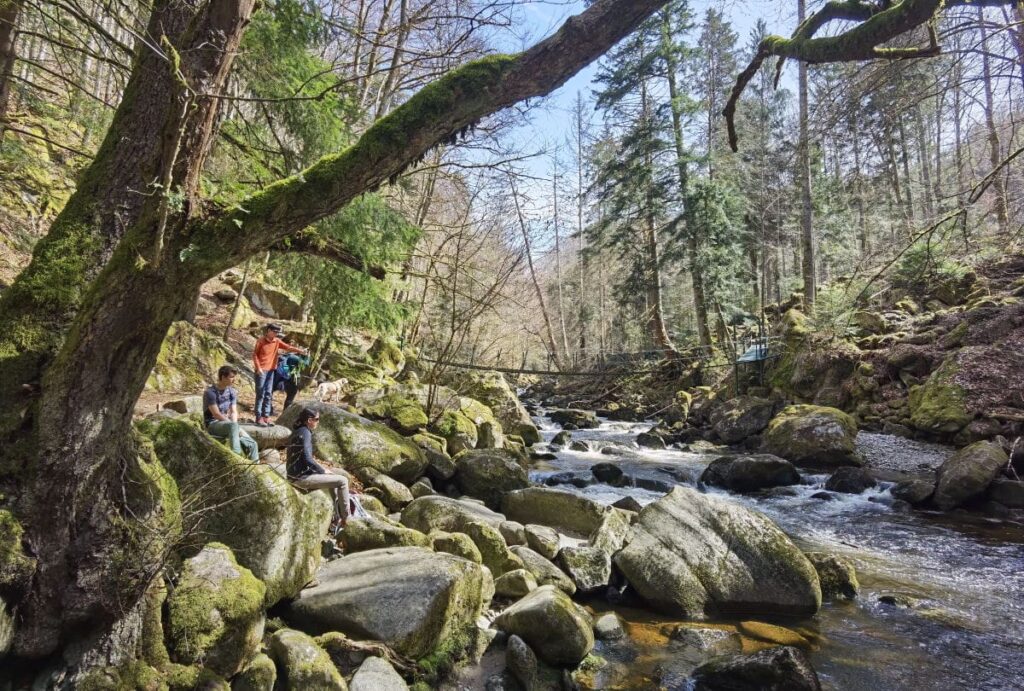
957, 579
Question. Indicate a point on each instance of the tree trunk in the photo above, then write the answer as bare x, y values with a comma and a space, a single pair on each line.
558, 267
995, 157
804, 174
9, 11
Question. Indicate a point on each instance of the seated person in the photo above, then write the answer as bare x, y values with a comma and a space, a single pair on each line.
220, 413
286, 377
306, 473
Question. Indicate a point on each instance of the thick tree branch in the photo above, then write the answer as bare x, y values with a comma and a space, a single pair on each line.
434, 115
310, 244
880, 21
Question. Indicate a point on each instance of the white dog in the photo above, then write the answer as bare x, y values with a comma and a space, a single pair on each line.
328, 390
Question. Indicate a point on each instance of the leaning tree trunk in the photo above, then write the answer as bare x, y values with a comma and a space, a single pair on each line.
79, 343
9, 11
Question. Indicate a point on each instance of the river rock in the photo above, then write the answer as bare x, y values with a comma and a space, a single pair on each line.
515, 584
837, 576
272, 437
649, 440
355, 442
421, 488
967, 474
700, 555
489, 475
542, 540
376, 674
513, 532
581, 446
493, 390
581, 419
303, 664
215, 614
260, 674
272, 529
750, 473
1009, 493
611, 534
561, 439
850, 480
813, 435
741, 417
410, 598
393, 493
607, 627
564, 511
628, 504
494, 552
914, 492
543, 570
775, 668
707, 640
608, 473
590, 568
375, 532
554, 626
521, 662
444, 513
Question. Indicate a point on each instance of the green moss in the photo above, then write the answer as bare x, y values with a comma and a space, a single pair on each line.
406, 414
433, 668
15, 566
939, 405
132, 676
151, 646
431, 441
189, 359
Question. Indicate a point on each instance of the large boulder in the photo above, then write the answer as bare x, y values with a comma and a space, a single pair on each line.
393, 493
554, 626
750, 473
399, 411
488, 474
273, 302
773, 669
582, 419
272, 529
813, 435
435, 512
491, 389
354, 442
700, 555
967, 474
215, 613
741, 417
940, 404
304, 665
565, 511
410, 598
458, 430
590, 568
272, 437
189, 359
850, 480
375, 532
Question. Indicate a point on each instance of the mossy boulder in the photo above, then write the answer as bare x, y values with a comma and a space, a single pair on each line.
699, 555
967, 474
189, 359
543, 570
386, 356
272, 301
304, 665
488, 474
272, 529
741, 417
374, 532
494, 551
459, 544
414, 600
401, 412
444, 513
215, 613
259, 675
354, 442
837, 576
564, 511
515, 584
457, 429
940, 404
554, 626
773, 668
491, 389
813, 435
393, 493
750, 473
590, 568
582, 419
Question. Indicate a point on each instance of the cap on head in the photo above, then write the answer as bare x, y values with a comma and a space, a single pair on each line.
276, 328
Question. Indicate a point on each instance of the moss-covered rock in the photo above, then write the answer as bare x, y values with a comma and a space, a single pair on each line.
410, 598
488, 474
565, 511
543, 570
582, 419
362, 534
554, 626
444, 513
813, 435
457, 429
272, 529
494, 552
16, 567
260, 674
940, 404
402, 413
131, 676
700, 555
393, 493
304, 665
515, 584
773, 668
837, 576
590, 568
967, 474
189, 359
386, 356
354, 442
215, 614
491, 389
741, 417
459, 544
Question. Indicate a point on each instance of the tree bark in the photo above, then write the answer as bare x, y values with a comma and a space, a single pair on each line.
88, 338
995, 157
9, 11
804, 174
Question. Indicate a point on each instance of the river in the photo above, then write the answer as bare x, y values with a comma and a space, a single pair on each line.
957, 579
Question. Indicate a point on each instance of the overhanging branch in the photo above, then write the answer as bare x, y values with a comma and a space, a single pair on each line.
328, 249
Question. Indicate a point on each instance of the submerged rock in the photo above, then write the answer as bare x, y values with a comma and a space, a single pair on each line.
554, 626
813, 435
750, 473
967, 474
699, 555
850, 480
410, 598
781, 669
649, 440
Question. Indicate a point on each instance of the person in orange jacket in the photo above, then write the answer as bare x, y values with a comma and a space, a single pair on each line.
264, 360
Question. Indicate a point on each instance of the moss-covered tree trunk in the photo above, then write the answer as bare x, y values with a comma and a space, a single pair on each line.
83, 324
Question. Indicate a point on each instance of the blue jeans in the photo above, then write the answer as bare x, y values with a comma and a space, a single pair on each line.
237, 439
264, 394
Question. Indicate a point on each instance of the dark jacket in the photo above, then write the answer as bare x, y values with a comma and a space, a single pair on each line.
300, 462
